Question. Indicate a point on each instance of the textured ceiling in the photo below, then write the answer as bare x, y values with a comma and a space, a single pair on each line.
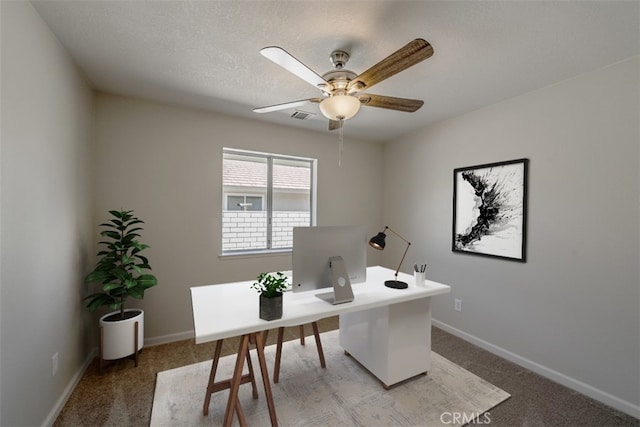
206, 53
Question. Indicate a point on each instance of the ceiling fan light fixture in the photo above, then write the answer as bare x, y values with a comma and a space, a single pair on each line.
340, 107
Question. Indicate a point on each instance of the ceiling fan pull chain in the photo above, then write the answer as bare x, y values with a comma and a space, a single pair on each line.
340, 140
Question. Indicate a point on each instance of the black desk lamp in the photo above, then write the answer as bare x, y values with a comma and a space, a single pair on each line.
378, 242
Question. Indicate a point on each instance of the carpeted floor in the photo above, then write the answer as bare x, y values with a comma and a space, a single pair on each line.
343, 394
123, 394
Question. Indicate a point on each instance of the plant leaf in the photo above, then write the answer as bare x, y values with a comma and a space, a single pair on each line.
120, 273
147, 280
111, 286
97, 276
136, 292
109, 233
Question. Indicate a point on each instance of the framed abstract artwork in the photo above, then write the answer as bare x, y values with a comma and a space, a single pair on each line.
490, 210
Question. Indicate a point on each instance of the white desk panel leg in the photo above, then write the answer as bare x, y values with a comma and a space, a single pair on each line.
393, 342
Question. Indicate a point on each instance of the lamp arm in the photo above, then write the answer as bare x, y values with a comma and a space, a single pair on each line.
399, 265
386, 227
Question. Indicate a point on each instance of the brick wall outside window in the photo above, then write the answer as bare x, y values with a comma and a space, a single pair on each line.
248, 230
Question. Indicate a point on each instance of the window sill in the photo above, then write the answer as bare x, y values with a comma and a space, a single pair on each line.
252, 254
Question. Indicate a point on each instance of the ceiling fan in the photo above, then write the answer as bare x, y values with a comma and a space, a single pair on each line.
343, 91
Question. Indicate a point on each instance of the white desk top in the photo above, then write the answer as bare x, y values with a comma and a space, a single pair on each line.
232, 309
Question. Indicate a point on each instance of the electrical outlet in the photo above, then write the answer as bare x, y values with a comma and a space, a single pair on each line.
457, 304
54, 364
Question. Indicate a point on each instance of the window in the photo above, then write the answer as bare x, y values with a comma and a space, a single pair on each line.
265, 196
244, 203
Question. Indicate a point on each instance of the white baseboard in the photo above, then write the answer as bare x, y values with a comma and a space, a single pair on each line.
599, 395
574, 384
62, 400
165, 339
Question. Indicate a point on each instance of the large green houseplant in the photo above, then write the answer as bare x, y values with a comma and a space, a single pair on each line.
120, 271
120, 267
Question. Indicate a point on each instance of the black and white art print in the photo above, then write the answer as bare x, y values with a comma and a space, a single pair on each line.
490, 209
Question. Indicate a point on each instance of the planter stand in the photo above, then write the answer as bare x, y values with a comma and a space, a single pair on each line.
135, 346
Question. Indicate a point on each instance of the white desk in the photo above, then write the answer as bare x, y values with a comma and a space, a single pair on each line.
386, 330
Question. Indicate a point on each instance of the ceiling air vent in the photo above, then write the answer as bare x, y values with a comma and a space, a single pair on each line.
302, 115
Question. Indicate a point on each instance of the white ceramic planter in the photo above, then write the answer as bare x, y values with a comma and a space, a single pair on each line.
118, 339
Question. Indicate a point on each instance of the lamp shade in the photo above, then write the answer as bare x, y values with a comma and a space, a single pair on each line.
378, 241
340, 107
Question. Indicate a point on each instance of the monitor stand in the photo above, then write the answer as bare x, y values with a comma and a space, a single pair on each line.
342, 291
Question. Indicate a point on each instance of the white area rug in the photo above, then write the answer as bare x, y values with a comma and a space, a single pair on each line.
344, 394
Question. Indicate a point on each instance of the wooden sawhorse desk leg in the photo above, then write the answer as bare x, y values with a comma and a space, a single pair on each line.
316, 334
256, 338
212, 386
276, 367
233, 405
260, 342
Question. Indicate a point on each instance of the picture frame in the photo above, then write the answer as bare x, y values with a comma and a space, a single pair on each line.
490, 210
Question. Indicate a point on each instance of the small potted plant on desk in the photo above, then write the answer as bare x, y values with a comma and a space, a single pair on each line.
270, 288
120, 272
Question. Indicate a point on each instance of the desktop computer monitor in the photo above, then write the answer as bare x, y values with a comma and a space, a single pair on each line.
313, 247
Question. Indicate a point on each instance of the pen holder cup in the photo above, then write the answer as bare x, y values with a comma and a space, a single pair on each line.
420, 279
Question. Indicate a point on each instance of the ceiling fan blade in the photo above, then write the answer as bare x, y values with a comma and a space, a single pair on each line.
291, 64
390, 102
335, 124
277, 107
408, 55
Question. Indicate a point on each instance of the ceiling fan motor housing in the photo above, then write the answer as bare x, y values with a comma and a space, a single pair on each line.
338, 79
339, 59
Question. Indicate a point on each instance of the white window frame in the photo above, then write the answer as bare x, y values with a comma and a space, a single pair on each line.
268, 202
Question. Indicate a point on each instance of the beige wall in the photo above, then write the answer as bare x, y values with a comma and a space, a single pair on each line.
572, 311
166, 163
46, 220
